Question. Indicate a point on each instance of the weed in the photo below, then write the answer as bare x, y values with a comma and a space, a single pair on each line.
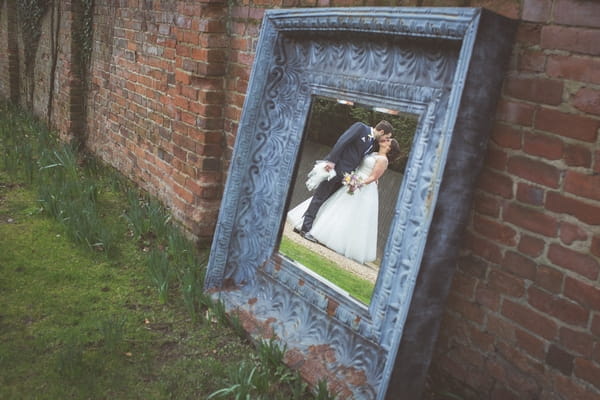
69, 359
112, 330
298, 387
158, 217
191, 290
244, 384
160, 273
323, 392
136, 213
271, 355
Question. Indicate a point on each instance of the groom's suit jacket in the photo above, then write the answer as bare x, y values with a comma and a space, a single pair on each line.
350, 148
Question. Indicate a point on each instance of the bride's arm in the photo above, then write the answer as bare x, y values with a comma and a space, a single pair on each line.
381, 164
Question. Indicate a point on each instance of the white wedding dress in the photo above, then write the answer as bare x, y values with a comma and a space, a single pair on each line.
347, 223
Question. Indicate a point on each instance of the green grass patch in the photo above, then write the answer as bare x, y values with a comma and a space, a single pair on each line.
74, 324
357, 287
101, 293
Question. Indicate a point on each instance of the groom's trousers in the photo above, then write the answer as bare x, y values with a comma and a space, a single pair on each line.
322, 193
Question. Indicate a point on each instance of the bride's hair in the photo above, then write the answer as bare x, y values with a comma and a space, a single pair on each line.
394, 152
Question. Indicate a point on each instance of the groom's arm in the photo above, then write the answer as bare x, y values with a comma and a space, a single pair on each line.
351, 134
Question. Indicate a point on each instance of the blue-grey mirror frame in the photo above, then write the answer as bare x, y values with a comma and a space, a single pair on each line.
382, 350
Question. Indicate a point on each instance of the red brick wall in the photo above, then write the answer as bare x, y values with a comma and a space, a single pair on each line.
523, 320
156, 106
168, 81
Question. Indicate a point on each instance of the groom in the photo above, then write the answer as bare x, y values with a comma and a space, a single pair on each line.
345, 156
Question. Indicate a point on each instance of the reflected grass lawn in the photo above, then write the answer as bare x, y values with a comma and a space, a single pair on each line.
359, 288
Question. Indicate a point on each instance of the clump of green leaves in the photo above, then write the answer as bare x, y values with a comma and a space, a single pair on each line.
268, 378
112, 330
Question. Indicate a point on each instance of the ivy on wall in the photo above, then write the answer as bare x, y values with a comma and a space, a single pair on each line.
29, 16
84, 33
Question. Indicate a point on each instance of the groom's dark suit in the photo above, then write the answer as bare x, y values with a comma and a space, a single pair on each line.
346, 154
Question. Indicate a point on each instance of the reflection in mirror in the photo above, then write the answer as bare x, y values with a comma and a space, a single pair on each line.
346, 242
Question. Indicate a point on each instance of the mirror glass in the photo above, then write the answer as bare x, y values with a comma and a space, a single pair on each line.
352, 231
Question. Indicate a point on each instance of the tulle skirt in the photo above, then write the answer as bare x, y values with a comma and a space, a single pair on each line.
345, 223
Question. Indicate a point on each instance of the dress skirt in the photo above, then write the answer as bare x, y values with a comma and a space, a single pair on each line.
346, 223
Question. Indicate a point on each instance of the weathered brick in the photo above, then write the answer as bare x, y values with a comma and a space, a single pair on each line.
543, 91
486, 205
577, 341
578, 40
595, 246
530, 245
182, 77
546, 146
480, 339
587, 295
582, 264
530, 344
576, 68
529, 34
209, 55
463, 285
473, 265
570, 233
530, 319
506, 136
596, 353
505, 283
534, 171
532, 61
588, 371
569, 388
495, 230
483, 248
496, 183
566, 311
577, 156
500, 327
536, 10
560, 359
488, 298
577, 13
515, 112
183, 50
562, 124
531, 219
530, 194
596, 325
584, 212
496, 158
188, 117
519, 265
467, 309
587, 100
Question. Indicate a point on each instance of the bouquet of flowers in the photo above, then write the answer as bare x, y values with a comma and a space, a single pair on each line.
352, 181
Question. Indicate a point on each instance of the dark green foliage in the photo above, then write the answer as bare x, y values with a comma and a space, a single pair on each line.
329, 119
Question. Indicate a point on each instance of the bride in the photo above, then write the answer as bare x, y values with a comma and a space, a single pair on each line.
347, 221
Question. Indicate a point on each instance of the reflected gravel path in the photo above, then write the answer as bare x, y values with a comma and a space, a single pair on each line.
367, 272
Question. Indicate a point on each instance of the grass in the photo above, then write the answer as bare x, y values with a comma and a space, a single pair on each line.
357, 287
74, 324
101, 293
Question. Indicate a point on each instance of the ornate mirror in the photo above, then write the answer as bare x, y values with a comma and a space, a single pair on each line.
355, 276
443, 67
